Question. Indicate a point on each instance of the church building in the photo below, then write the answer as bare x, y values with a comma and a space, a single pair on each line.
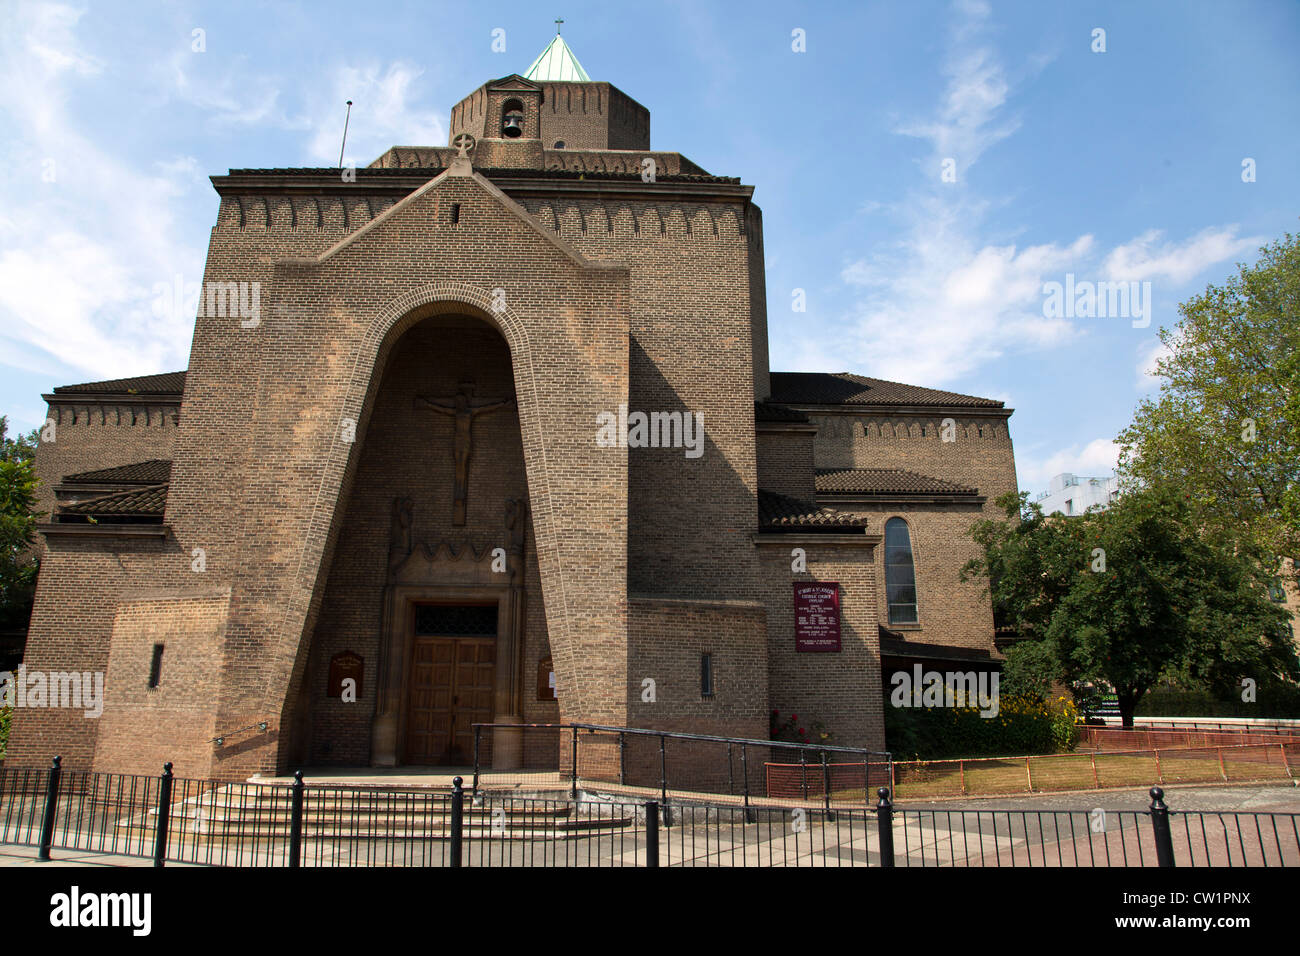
487, 433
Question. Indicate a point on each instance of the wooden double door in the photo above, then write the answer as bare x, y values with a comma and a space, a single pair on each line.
452, 687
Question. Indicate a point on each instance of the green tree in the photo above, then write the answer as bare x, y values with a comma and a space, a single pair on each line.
17, 527
1029, 560
1225, 425
1130, 595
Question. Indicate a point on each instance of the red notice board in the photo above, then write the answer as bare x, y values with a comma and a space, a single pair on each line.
816, 616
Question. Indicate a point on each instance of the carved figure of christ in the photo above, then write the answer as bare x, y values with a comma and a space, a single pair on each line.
463, 411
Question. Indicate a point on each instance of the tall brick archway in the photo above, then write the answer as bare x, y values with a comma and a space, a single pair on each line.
399, 315
381, 336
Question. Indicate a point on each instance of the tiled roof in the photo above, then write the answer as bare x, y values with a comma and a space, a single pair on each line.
884, 481
136, 502
155, 471
768, 412
843, 388
165, 383
783, 513
362, 171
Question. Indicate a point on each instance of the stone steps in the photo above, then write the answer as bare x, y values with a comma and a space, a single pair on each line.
224, 815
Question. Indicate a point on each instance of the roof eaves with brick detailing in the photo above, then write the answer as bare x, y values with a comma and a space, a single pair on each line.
428, 172
844, 388
152, 472
884, 481
465, 171
164, 383
777, 512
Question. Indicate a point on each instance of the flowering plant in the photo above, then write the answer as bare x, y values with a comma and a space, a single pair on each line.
792, 730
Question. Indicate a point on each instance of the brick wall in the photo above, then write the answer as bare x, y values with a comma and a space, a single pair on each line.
147, 727
668, 637
91, 435
981, 456
840, 690
785, 461
949, 611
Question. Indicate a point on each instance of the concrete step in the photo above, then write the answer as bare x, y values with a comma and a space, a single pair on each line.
250, 814
233, 831
255, 798
485, 815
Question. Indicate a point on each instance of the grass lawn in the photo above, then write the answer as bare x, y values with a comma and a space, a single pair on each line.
993, 775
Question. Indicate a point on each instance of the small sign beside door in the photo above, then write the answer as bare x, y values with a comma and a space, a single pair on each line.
342, 667
545, 679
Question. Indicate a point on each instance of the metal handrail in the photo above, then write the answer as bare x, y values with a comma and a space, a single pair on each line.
261, 725
750, 741
862, 755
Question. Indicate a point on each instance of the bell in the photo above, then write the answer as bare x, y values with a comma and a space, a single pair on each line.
513, 127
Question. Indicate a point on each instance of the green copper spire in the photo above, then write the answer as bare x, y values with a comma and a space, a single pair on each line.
557, 63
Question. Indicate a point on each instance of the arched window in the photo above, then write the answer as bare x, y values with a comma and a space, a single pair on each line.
900, 574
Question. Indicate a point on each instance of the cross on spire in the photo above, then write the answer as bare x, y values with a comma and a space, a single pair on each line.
558, 21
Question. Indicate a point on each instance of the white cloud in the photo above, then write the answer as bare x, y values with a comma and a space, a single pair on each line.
1147, 258
943, 301
940, 305
82, 245
49, 40
182, 171
385, 112
967, 122
1096, 459
225, 87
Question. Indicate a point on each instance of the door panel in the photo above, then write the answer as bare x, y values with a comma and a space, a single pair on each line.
452, 684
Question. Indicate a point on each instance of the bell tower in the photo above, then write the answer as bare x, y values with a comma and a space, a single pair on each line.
556, 105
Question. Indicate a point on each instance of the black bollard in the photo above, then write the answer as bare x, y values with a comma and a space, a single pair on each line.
51, 809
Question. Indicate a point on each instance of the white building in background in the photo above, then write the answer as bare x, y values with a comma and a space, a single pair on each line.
1075, 494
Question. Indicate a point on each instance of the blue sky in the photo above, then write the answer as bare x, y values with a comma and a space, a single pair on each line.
1123, 165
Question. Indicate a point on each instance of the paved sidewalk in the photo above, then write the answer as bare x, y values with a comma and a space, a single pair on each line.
1242, 798
26, 856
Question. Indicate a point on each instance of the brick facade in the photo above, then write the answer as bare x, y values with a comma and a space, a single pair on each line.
563, 282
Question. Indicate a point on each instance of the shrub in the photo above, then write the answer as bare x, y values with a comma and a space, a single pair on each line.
1030, 670
1272, 701
1024, 725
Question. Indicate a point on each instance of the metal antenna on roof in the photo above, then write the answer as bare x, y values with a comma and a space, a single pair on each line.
345, 133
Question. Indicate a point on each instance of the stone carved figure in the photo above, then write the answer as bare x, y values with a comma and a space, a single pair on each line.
463, 411
399, 542
517, 523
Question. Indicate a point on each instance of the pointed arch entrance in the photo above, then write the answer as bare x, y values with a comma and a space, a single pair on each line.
436, 541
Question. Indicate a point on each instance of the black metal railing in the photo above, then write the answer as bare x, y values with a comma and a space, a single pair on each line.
630, 762
174, 820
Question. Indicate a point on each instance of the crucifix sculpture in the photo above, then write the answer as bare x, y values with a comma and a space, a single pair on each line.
463, 411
